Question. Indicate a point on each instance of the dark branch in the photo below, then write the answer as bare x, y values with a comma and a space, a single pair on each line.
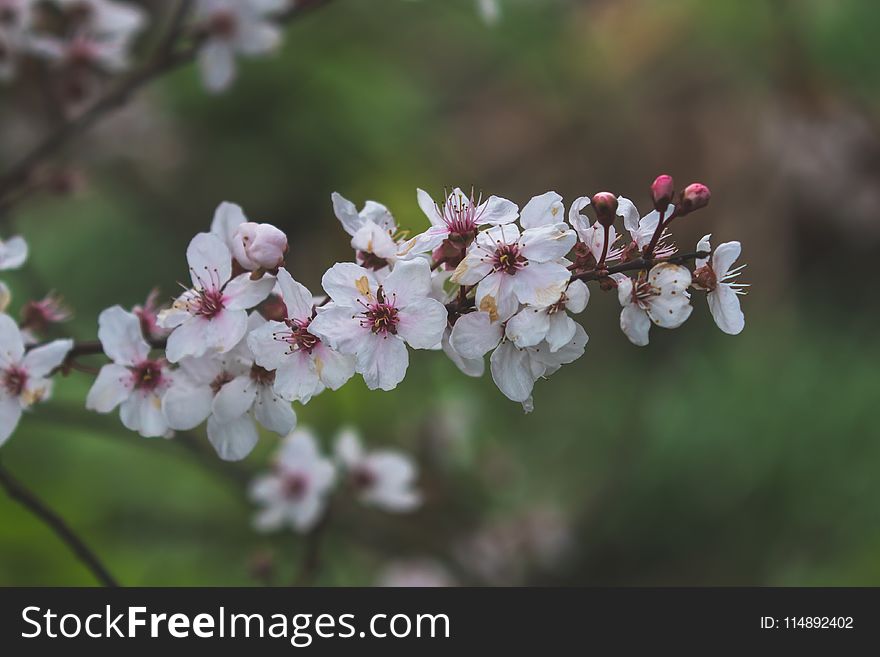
638, 264
18, 492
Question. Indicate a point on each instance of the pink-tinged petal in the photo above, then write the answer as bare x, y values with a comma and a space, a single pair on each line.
348, 448
11, 342
475, 334
635, 324
186, 405
495, 295
540, 283
266, 488
347, 213
339, 327
234, 399
224, 331
724, 256
43, 360
528, 327
725, 309
577, 295
227, 218
392, 490
210, 262
142, 412
216, 61
541, 210
10, 414
426, 203
380, 215
561, 331
547, 243
512, 372
188, 339
422, 322
13, 253
296, 378
267, 345
273, 412
474, 367
233, 439
409, 282
497, 211
120, 334
382, 361
112, 386
334, 369
243, 293
703, 245
349, 284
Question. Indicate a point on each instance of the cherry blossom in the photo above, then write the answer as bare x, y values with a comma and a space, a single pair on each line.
13, 253
212, 315
714, 274
510, 268
230, 391
303, 364
660, 298
24, 375
148, 313
374, 322
372, 232
234, 27
254, 246
295, 493
592, 236
133, 381
533, 325
642, 229
381, 478
16, 17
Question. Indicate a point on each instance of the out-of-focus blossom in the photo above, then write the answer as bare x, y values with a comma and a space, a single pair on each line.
211, 317
372, 232
382, 478
148, 313
415, 573
295, 493
39, 315
16, 17
374, 322
661, 298
302, 363
714, 274
24, 376
133, 381
13, 253
5, 297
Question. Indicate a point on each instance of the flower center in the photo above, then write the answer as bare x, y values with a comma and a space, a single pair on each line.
294, 486
559, 306
362, 478
507, 258
223, 24
209, 303
14, 380
380, 317
148, 375
704, 277
298, 337
371, 260
262, 376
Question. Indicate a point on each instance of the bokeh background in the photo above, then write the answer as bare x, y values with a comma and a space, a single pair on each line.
702, 459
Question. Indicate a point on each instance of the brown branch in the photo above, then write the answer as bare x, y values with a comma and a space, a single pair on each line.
165, 60
638, 264
18, 492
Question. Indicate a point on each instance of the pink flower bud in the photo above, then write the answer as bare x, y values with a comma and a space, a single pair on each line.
694, 197
662, 191
605, 204
259, 246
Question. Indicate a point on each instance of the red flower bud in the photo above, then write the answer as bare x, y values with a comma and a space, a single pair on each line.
605, 204
694, 197
662, 191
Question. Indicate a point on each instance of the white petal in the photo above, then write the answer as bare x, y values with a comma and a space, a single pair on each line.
210, 262
227, 218
540, 283
725, 309
425, 242
273, 412
624, 289
561, 331
409, 282
242, 293
511, 372
112, 386
473, 268
333, 368
10, 414
544, 209
497, 211
703, 245
348, 447
724, 256
566, 353
426, 203
224, 331
474, 367
186, 406
217, 65
339, 328
234, 399
142, 412
349, 284
41, 361
629, 212
496, 296
296, 378
347, 213
268, 346
374, 239
635, 324
120, 334
528, 327
546, 243
578, 221
232, 439
421, 323
380, 215
577, 295
382, 361
13, 253
475, 334
11, 342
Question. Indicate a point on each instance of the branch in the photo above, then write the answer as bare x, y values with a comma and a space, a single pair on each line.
638, 264
310, 565
166, 59
17, 491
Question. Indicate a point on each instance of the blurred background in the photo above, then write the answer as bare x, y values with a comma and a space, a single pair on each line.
702, 459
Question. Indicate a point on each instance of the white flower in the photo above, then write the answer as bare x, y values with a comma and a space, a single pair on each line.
445, 293
490, 11
295, 493
374, 322
234, 27
372, 231
253, 245
592, 236
133, 381
457, 220
106, 19
382, 478
514, 370
302, 363
230, 392
713, 274
509, 268
13, 253
23, 376
16, 17
662, 298
532, 325
212, 316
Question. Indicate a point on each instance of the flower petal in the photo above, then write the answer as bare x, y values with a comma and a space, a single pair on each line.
349, 284
41, 361
725, 309
409, 282
635, 324
422, 322
142, 412
382, 361
541, 210
234, 399
120, 334
547, 243
511, 372
186, 405
232, 439
274, 413
242, 292
112, 386
11, 342
210, 262
10, 414
724, 256
528, 327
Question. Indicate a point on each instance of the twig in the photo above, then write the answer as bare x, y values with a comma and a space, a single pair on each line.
310, 565
18, 492
637, 264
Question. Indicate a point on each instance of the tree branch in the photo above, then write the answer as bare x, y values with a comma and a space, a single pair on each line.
638, 264
18, 492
